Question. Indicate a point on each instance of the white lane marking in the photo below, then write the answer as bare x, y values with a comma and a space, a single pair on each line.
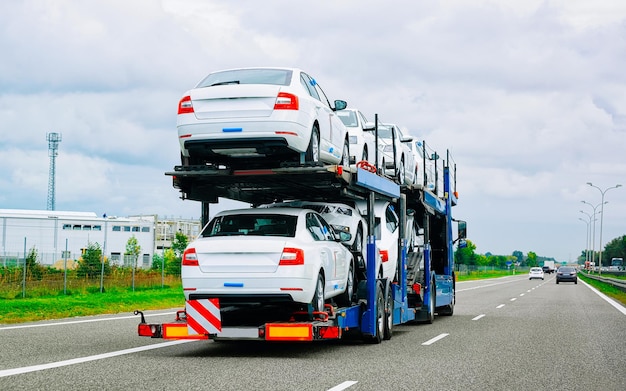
521, 294
500, 306
612, 302
437, 338
513, 299
528, 291
27, 326
343, 386
80, 360
487, 285
478, 317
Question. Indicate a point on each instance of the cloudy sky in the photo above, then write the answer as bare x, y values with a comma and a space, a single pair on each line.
528, 95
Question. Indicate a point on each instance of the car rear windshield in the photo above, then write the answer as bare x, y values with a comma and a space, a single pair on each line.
280, 77
255, 225
567, 269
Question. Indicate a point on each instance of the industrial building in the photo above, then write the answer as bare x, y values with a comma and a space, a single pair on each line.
63, 235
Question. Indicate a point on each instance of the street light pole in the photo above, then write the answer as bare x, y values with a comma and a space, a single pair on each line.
602, 217
593, 242
588, 257
587, 223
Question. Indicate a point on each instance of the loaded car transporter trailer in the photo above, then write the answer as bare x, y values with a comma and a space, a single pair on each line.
425, 281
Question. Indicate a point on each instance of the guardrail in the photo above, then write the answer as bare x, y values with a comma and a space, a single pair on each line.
617, 283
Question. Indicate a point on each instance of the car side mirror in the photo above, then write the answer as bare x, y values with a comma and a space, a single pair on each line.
343, 236
340, 104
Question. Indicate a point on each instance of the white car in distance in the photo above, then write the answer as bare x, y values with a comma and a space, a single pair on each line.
250, 117
281, 257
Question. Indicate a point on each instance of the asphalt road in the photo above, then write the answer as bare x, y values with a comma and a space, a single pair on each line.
506, 334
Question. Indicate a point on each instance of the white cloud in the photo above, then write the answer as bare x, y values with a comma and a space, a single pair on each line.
527, 95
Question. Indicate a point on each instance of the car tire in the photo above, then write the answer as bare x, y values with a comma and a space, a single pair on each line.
401, 175
345, 298
557, 281
365, 154
313, 151
345, 154
317, 303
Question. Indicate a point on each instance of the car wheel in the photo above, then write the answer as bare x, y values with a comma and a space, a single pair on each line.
557, 281
364, 156
576, 282
345, 155
380, 317
318, 297
401, 173
388, 332
313, 152
345, 298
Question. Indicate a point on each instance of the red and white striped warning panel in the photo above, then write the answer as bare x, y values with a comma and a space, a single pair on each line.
203, 316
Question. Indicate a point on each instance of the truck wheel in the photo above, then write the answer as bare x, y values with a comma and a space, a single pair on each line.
318, 297
380, 317
313, 152
345, 298
431, 303
388, 332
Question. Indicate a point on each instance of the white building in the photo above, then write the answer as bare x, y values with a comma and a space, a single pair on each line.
58, 235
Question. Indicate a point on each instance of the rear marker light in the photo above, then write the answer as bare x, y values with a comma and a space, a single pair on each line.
286, 101
384, 255
291, 256
190, 258
185, 106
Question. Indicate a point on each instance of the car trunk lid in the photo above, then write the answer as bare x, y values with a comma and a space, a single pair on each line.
232, 255
234, 101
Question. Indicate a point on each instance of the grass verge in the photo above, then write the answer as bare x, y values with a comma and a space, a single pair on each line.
605, 288
111, 301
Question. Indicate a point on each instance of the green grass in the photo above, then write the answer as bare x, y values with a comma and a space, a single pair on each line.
605, 288
112, 301
482, 274
122, 299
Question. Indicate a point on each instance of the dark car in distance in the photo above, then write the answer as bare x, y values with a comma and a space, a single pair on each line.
566, 274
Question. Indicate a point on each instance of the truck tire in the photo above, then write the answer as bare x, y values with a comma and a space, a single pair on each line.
379, 330
388, 332
432, 299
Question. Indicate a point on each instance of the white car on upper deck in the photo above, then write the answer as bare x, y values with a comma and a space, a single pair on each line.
362, 142
396, 157
260, 117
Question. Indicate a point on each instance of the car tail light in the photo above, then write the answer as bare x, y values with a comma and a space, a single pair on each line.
284, 101
292, 256
185, 106
190, 258
384, 255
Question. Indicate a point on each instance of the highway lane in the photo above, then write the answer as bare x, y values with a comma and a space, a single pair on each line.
508, 333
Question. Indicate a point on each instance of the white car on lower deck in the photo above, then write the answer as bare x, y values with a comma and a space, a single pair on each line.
279, 256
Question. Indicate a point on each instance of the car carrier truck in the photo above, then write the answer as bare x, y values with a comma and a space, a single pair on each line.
424, 284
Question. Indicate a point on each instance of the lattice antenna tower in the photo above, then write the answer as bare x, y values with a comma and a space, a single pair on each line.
53, 151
